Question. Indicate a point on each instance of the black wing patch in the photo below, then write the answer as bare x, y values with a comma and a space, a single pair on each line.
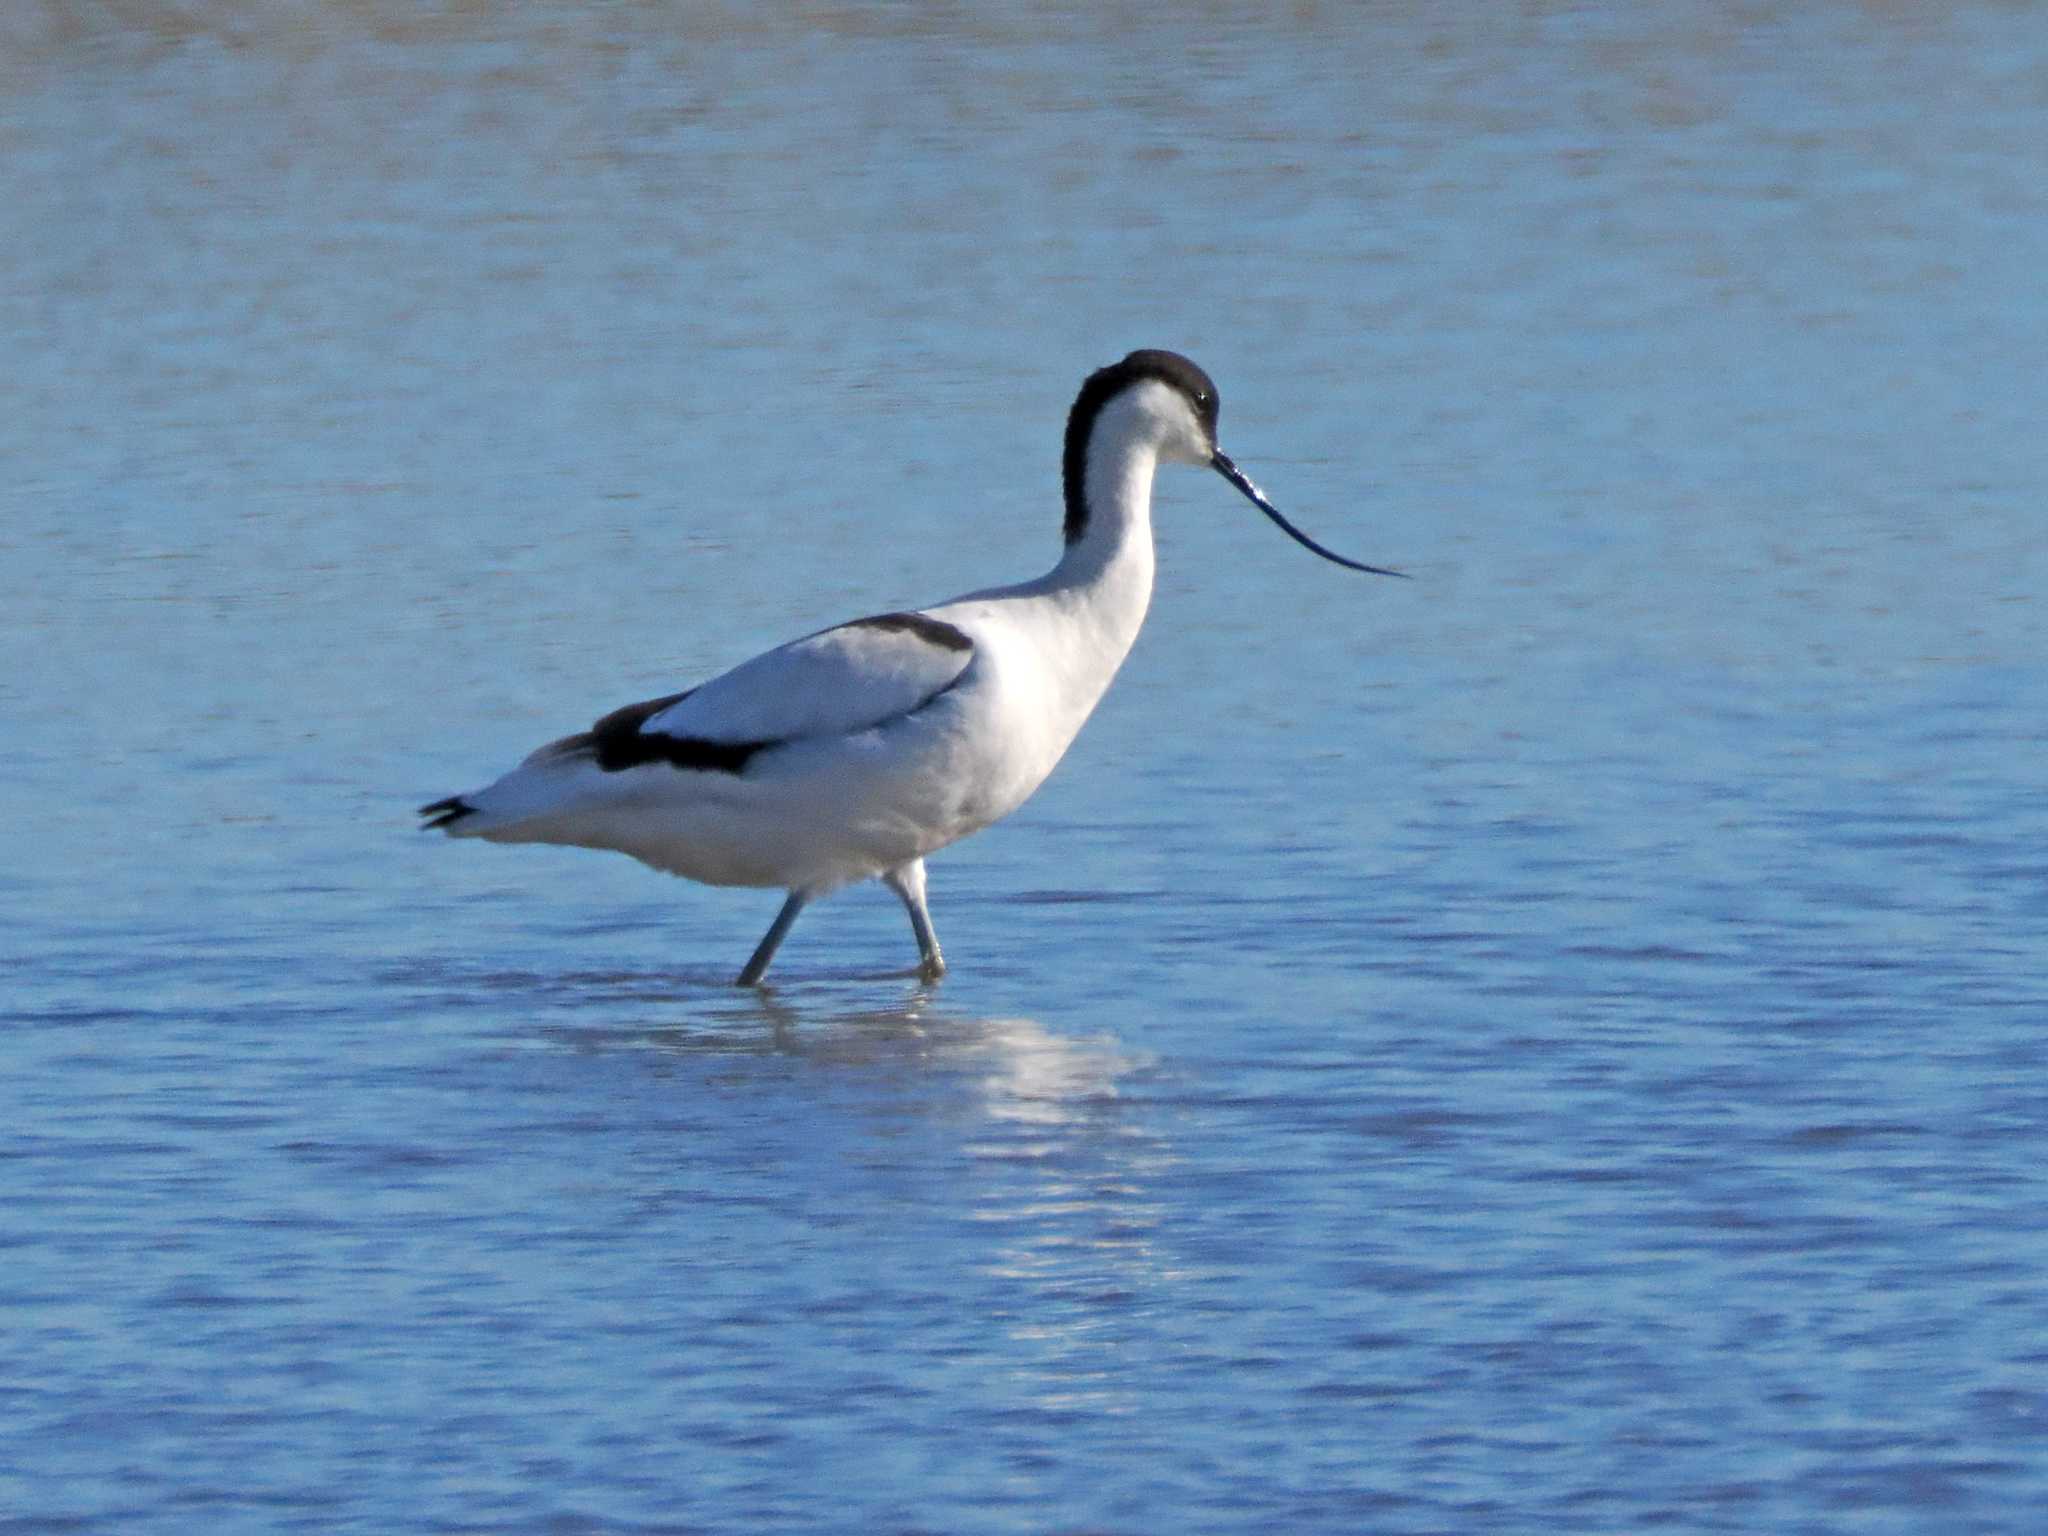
928, 629
619, 741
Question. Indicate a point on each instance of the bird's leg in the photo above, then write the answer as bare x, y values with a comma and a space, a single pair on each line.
907, 881
778, 930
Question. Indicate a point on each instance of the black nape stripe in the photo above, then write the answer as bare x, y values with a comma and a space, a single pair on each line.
928, 629
1103, 386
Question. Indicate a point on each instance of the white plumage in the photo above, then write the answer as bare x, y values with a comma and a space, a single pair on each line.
855, 752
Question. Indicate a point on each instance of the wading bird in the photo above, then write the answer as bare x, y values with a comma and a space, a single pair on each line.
856, 751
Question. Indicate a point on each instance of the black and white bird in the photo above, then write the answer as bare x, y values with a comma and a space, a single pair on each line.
856, 751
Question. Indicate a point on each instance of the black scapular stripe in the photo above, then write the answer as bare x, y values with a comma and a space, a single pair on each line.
618, 742
928, 629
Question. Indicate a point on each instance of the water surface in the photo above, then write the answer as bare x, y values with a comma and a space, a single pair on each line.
1553, 1045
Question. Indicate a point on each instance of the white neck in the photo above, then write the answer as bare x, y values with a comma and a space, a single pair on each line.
1085, 613
1108, 569
1077, 622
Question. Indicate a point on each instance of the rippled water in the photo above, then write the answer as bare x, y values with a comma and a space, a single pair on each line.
1554, 1045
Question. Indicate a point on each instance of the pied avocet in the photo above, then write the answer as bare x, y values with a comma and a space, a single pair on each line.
856, 751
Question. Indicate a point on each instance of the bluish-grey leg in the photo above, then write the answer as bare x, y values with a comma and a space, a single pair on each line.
907, 881
757, 967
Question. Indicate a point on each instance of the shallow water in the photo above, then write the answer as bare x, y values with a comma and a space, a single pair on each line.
1553, 1045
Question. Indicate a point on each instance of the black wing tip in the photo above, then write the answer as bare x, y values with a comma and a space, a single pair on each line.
445, 813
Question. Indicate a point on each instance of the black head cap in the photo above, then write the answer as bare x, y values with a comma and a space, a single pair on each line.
1104, 385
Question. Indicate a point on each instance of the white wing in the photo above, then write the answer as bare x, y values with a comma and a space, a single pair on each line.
841, 681
847, 679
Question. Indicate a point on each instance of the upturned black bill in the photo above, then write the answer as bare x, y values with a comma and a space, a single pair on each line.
1237, 477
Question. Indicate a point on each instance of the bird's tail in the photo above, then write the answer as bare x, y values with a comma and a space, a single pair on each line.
442, 815
548, 798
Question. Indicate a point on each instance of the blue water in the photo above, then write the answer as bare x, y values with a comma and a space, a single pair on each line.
1555, 1045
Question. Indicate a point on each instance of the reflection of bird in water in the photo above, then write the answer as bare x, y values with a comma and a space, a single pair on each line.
854, 752
1021, 1072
